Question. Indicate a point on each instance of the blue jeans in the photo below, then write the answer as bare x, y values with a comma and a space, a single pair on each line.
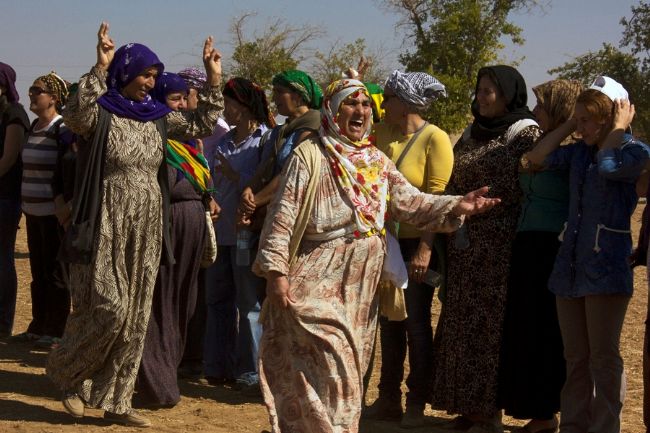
232, 332
9, 219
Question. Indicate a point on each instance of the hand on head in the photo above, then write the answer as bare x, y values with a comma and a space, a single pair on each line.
105, 47
623, 114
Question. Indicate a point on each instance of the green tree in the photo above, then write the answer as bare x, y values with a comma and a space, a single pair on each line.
453, 39
631, 69
328, 66
260, 56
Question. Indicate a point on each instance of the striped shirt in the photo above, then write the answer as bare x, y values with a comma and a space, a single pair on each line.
39, 157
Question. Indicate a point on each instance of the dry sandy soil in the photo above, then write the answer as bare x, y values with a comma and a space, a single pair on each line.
29, 402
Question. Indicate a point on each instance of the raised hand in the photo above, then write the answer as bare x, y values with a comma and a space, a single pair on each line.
105, 47
475, 203
363, 66
212, 62
623, 114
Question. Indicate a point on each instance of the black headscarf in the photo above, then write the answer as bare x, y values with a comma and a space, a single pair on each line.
252, 97
513, 88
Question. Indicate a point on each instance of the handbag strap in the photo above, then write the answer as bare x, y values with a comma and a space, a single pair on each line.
410, 144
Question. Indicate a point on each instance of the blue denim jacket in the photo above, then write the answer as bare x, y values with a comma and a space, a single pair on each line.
596, 241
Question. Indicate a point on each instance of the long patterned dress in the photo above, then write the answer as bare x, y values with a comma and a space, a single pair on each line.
111, 297
313, 355
468, 335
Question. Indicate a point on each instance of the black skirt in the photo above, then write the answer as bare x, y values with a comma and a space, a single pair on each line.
532, 366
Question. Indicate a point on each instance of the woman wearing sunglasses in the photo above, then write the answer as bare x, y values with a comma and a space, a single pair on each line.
48, 136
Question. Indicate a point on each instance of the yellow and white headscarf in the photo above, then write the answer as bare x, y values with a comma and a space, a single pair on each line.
359, 168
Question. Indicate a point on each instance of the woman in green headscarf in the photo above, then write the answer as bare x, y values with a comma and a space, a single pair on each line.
298, 97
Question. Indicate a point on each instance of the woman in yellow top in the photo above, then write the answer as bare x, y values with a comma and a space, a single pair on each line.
423, 153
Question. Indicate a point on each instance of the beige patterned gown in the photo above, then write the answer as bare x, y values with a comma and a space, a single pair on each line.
313, 355
111, 297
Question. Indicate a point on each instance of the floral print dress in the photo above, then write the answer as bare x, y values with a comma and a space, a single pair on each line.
313, 354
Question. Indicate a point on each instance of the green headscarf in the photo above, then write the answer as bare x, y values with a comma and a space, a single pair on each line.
302, 83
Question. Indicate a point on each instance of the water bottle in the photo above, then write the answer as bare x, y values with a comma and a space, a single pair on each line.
243, 253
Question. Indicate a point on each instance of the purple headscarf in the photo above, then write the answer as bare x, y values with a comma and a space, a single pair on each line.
168, 83
129, 62
195, 78
8, 81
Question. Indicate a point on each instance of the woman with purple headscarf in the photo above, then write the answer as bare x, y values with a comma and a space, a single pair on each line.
13, 134
97, 362
176, 290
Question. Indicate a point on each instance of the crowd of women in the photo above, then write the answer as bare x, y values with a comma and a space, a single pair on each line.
175, 230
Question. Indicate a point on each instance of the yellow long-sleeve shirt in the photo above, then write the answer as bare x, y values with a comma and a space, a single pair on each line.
427, 165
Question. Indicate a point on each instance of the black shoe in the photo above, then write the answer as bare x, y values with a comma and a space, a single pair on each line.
384, 409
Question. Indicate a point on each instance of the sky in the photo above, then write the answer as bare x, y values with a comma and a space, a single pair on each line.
37, 36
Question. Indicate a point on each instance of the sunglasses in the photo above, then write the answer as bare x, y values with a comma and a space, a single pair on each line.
35, 90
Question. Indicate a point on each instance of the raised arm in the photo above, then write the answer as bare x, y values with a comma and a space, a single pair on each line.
80, 114
548, 143
615, 161
200, 122
623, 116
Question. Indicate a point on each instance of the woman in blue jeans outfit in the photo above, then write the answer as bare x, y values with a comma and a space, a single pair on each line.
232, 330
14, 125
592, 279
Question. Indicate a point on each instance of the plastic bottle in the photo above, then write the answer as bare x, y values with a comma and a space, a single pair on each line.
243, 253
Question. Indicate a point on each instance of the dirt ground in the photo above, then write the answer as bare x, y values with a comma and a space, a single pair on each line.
29, 402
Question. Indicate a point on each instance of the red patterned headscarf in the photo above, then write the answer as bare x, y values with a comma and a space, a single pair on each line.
359, 168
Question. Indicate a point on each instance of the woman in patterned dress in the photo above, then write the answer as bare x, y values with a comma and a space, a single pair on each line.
176, 289
322, 252
97, 362
468, 335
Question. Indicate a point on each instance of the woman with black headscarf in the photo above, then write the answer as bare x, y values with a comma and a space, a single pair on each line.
232, 330
468, 335
13, 134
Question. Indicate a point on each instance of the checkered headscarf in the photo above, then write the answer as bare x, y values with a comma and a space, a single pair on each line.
415, 88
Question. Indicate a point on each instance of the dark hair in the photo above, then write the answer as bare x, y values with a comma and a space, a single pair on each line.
252, 97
